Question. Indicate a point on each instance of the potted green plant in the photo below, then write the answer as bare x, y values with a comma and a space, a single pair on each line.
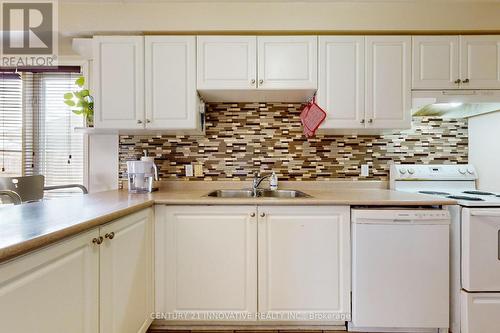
81, 102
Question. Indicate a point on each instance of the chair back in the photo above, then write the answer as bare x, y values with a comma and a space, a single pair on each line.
29, 188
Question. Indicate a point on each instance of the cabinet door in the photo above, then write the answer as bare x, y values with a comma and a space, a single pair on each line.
171, 97
126, 274
206, 260
288, 62
304, 262
435, 62
52, 290
480, 62
341, 91
226, 62
119, 81
388, 72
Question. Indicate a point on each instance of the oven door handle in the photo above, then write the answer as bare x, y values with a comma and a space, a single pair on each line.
485, 213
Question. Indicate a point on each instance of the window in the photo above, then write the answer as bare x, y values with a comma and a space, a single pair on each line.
40, 138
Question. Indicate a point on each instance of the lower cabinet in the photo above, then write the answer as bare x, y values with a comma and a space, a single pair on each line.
206, 260
126, 274
284, 263
98, 281
304, 263
52, 290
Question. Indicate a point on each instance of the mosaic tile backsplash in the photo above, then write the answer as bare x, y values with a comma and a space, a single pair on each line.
244, 138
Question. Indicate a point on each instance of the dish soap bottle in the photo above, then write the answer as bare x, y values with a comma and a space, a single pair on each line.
273, 182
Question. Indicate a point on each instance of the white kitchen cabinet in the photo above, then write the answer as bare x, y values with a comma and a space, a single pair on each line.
388, 82
54, 289
480, 62
118, 82
170, 83
304, 261
436, 62
341, 91
126, 274
227, 62
364, 82
287, 62
206, 260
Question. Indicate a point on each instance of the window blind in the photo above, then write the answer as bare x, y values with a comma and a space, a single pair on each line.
37, 128
11, 123
52, 148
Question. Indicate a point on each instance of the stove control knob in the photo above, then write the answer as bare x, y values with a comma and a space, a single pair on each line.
411, 171
402, 171
470, 171
462, 171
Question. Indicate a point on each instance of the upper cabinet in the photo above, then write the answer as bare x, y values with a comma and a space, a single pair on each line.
227, 62
365, 82
170, 82
388, 82
118, 81
435, 62
250, 68
145, 82
480, 62
456, 62
341, 88
287, 62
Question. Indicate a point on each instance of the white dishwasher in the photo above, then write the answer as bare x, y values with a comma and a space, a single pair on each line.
400, 270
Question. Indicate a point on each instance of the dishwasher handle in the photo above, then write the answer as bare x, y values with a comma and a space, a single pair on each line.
485, 213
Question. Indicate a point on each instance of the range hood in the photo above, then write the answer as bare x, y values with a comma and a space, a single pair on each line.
454, 103
256, 95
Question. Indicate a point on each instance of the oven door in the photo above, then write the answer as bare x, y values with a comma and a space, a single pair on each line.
481, 249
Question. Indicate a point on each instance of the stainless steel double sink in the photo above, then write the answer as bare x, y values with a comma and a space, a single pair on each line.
260, 193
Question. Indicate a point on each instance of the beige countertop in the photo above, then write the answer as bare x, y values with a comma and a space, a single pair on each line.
30, 226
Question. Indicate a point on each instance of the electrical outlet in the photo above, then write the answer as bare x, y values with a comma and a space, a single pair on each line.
189, 170
198, 170
365, 170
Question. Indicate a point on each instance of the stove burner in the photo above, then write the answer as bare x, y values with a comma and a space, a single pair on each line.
478, 193
463, 197
434, 192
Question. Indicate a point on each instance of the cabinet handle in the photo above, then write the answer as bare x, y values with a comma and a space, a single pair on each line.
252, 82
261, 81
97, 240
262, 214
252, 214
466, 81
457, 81
370, 121
139, 121
362, 121
111, 235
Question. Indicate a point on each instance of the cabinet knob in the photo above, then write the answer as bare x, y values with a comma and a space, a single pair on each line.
362, 121
252, 214
466, 81
262, 214
252, 82
261, 81
370, 121
148, 121
111, 235
457, 81
97, 240
139, 121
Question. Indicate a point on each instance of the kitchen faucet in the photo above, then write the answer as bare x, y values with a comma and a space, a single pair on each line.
257, 179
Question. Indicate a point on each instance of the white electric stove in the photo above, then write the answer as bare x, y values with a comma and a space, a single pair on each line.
474, 241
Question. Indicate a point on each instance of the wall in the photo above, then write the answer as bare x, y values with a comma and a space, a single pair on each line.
85, 19
244, 138
484, 149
